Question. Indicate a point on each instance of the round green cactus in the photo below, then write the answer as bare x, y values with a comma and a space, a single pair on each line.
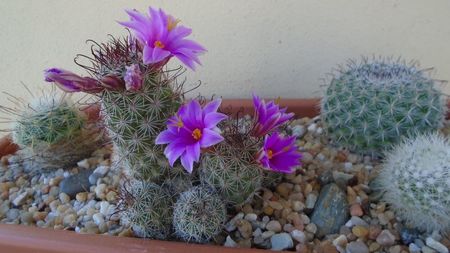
148, 209
230, 172
53, 133
372, 105
199, 215
416, 180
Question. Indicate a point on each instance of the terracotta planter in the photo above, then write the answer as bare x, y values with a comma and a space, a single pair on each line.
20, 238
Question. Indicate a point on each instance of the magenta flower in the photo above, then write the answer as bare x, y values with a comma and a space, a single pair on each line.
279, 154
268, 116
190, 130
133, 78
162, 37
71, 82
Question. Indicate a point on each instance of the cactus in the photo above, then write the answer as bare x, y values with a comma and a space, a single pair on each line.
371, 105
177, 181
53, 133
231, 174
199, 215
416, 180
147, 207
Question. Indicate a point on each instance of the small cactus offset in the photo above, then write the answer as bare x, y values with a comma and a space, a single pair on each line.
53, 133
372, 105
147, 207
199, 215
416, 180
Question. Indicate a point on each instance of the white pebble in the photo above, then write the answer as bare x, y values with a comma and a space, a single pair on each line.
101, 170
20, 199
436, 245
348, 166
104, 208
98, 218
299, 236
230, 242
312, 128
251, 217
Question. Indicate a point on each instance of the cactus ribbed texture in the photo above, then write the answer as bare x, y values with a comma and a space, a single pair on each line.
230, 171
148, 208
52, 133
199, 215
416, 178
370, 106
134, 119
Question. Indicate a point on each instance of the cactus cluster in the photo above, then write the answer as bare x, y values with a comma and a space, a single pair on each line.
53, 133
373, 104
148, 209
199, 215
416, 180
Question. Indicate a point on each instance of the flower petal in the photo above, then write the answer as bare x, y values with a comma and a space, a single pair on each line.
165, 137
210, 138
212, 106
212, 119
187, 160
173, 151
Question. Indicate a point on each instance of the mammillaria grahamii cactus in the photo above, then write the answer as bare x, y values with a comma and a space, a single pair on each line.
199, 215
416, 180
372, 105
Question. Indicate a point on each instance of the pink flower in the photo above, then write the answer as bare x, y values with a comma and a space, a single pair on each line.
133, 78
190, 130
162, 37
71, 82
268, 116
279, 154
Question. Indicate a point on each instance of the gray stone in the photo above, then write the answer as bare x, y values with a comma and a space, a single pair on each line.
343, 179
281, 241
357, 247
94, 177
229, 242
386, 238
12, 214
76, 183
331, 210
310, 200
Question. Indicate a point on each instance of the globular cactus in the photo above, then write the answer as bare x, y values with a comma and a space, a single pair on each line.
232, 173
54, 133
372, 105
416, 180
147, 208
199, 215
177, 180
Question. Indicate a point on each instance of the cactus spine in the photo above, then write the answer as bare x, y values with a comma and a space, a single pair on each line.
52, 133
371, 105
148, 208
416, 178
199, 215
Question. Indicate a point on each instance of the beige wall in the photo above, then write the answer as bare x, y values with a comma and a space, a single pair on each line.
276, 48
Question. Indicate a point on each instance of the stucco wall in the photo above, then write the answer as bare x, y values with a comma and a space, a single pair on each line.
276, 48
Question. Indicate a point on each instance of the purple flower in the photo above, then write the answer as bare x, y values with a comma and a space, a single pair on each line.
162, 37
268, 116
133, 78
71, 82
279, 154
190, 130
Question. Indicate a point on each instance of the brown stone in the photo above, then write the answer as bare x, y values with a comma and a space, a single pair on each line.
356, 210
374, 231
360, 231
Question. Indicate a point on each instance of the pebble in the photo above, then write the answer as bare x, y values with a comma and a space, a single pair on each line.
311, 200
274, 226
311, 227
20, 199
64, 198
340, 241
413, 248
100, 191
98, 218
385, 238
229, 242
298, 235
231, 225
356, 210
298, 131
75, 183
12, 214
357, 247
251, 217
245, 228
426, 249
281, 241
331, 210
439, 247
360, 231
81, 196
356, 221
101, 171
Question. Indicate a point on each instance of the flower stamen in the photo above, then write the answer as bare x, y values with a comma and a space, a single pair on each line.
172, 23
159, 44
197, 134
269, 153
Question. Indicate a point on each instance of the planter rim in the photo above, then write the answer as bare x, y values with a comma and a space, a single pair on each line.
21, 238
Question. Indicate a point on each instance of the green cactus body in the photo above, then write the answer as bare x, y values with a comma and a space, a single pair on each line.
134, 119
52, 133
232, 173
199, 215
148, 209
416, 180
372, 105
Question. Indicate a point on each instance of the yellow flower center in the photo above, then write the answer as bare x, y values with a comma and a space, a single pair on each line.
172, 23
159, 44
197, 134
179, 123
269, 153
